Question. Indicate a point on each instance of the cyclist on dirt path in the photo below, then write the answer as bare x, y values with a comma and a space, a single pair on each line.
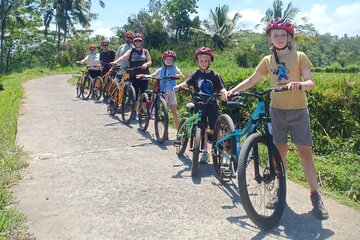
206, 82
288, 110
138, 57
92, 60
106, 56
167, 73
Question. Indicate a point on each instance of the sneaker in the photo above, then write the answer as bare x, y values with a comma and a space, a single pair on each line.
205, 158
272, 203
319, 209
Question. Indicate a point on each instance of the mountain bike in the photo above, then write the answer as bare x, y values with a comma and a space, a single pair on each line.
83, 84
260, 170
192, 128
152, 103
122, 93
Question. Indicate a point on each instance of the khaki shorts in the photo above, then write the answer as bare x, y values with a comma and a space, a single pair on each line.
296, 122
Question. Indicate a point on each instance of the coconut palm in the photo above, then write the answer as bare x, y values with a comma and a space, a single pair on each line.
277, 11
65, 13
220, 28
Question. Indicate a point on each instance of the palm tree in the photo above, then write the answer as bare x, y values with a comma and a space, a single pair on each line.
220, 28
65, 13
277, 11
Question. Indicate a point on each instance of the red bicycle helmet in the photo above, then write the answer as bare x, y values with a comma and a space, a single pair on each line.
92, 47
105, 42
169, 54
138, 36
129, 35
280, 23
204, 50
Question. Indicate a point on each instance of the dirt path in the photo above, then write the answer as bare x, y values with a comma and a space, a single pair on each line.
91, 177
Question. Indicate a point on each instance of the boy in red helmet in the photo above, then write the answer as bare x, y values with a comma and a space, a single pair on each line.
167, 73
288, 110
206, 82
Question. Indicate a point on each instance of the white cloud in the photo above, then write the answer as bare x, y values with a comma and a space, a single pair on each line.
250, 18
99, 29
343, 20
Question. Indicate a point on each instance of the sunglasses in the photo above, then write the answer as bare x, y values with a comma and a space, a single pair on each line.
137, 40
104, 45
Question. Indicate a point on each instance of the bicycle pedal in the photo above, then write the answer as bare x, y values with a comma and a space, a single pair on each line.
177, 143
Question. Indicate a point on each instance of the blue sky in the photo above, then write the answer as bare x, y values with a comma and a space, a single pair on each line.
328, 16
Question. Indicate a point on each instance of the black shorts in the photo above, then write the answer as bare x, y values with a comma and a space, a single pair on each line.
95, 73
210, 115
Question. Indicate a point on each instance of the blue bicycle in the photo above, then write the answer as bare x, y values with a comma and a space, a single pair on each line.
260, 170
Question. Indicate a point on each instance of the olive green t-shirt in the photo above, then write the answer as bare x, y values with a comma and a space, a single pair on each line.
295, 62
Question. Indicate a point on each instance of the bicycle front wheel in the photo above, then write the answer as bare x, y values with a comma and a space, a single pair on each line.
86, 87
224, 162
113, 103
181, 138
128, 104
79, 87
161, 123
196, 151
261, 178
144, 112
98, 88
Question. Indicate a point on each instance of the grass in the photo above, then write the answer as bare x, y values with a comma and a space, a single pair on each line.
11, 160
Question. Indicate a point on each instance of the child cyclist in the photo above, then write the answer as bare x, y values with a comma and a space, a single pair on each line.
167, 73
206, 82
288, 110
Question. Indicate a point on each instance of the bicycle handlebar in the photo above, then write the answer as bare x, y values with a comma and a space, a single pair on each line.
259, 95
196, 94
152, 78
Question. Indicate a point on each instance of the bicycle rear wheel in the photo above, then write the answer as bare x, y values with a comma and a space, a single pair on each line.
113, 103
181, 138
196, 151
98, 88
144, 112
258, 182
225, 163
161, 122
128, 104
86, 87
79, 87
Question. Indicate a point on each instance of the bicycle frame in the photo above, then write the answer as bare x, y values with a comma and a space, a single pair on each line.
250, 127
260, 113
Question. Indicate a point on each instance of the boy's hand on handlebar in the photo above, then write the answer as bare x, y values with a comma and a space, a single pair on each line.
293, 86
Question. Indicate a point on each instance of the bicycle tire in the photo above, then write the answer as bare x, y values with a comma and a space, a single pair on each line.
86, 87
113, 103
128, 104
79, 87
255, 192
181, 138
224, 125
196, 151
98, 88
106, 91
161, 121
143, 114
